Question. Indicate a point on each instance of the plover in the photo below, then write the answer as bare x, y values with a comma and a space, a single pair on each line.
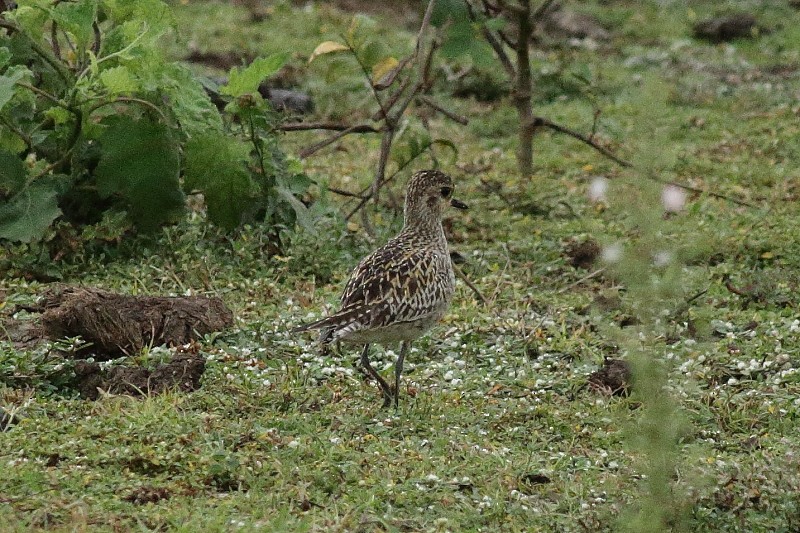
403, 288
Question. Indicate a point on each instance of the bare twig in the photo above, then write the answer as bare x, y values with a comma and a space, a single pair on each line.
349, 194
446, 112
493, 41
540, 11
307, 126
585, 278
54, 40
547, 123
460, 273
306, 152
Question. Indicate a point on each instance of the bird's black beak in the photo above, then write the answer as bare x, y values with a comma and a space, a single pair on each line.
458, 204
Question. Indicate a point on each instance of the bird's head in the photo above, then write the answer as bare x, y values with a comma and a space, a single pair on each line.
429, 194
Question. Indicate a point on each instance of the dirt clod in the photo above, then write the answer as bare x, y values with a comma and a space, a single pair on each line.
613, 379
726, 28
183, 373
118, 324
582, 254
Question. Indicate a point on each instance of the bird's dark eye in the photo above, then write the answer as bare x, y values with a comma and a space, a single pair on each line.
446, 192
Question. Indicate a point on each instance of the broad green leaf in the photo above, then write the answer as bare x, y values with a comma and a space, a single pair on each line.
445, 11
217, 166
382, 68
155, 13
12, 173
304, 219
5, 56
119, 80
327, 47
31, 16
77, 18
7, 81
247, 80
463, 39
139, 162
189, 102
28, 214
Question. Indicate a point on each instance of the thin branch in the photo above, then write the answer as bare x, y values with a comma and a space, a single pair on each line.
543, 122
349, 194
446, 112
18, 132
547, 123
44, 94
56, 65
97, 39
540, 12
496, 45
314, 148
128, 99
332, 126
54, 40
460, 273
587, 277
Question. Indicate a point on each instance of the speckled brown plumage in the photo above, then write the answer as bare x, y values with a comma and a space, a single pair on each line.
404, 287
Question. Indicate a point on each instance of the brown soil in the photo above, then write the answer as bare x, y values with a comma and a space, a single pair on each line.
182, 373
582, 254
613, 379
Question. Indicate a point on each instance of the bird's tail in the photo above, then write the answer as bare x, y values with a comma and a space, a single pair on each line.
336, 321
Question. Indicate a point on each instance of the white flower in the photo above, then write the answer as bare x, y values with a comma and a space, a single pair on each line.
612, 253
673, 198
597, 189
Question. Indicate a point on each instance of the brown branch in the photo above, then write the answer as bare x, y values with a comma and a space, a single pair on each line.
349, 194
540, 12
314, 148
306, 126
54, 40
496, 45
446, 112
460, 273
543, 122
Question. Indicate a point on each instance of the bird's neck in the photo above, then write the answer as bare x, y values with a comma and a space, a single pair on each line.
428, 228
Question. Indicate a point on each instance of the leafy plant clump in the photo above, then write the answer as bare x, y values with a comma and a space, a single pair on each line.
98, 126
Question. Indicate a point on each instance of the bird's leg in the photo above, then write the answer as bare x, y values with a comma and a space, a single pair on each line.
387, 393
398, 371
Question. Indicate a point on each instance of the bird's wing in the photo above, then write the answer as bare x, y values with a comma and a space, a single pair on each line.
395, 284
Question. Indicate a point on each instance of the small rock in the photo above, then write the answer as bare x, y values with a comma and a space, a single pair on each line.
726, 28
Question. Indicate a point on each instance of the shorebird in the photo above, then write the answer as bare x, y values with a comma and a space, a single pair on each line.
403, 288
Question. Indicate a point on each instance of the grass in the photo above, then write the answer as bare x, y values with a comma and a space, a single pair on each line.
497, 429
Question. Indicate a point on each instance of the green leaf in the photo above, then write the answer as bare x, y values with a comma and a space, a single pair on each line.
27, 215
217, 165
77, 18
247, 80
189, 101
5, 56
304, 219
139, 162
119, 80
12, 173
7, 81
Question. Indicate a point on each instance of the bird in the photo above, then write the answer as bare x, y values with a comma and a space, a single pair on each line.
399, 291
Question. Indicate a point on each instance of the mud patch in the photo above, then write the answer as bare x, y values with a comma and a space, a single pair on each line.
612, 379
582, 254
183, 373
